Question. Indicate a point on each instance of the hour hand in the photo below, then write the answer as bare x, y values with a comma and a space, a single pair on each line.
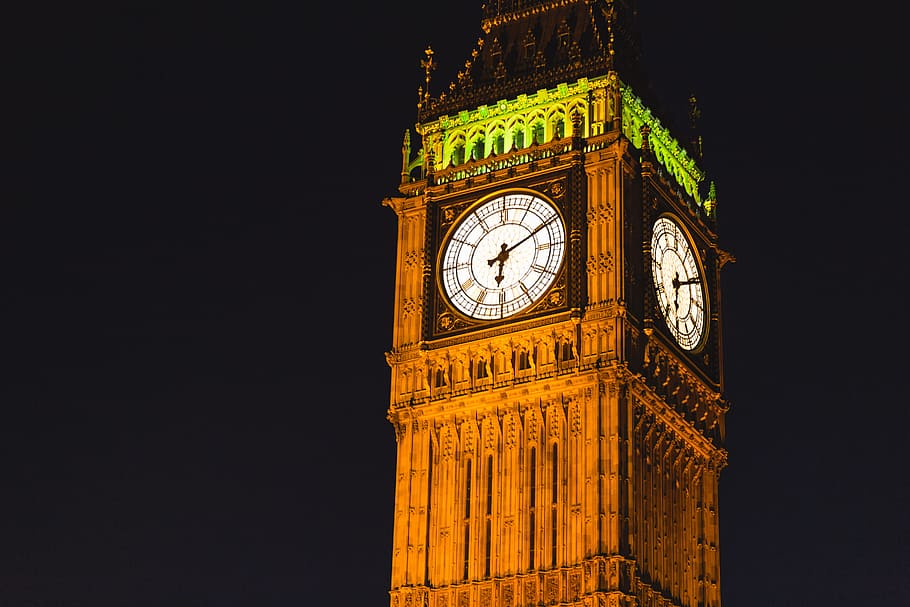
501, 257
678, 283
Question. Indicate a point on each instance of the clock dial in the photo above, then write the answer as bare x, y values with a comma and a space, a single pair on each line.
502, 255
678, 282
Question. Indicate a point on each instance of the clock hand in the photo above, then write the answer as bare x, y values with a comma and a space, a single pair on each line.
503, 254
501, 258
677, 282
499, 275
534, 231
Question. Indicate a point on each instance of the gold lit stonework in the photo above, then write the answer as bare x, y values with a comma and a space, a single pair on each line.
568, 454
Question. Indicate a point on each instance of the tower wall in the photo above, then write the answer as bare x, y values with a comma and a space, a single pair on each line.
567, 452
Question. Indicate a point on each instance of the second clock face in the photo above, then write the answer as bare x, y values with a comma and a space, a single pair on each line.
678, 282
502, 255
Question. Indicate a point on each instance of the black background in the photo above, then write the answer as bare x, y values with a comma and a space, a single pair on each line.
198, 276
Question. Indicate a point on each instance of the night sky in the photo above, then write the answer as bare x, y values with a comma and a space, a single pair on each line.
197, 278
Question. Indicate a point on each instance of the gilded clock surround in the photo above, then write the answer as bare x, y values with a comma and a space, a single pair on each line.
686, 316
569, 454
448, 319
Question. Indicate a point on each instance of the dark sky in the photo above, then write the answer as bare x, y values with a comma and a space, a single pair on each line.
197, 294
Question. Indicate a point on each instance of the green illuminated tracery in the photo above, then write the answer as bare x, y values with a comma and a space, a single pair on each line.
667, 150
545, 116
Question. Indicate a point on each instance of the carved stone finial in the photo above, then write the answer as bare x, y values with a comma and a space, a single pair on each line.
577, 124
405, 155
710, 203
646, 155
695, 137
645, 138
430, 164
428, 66
609, 12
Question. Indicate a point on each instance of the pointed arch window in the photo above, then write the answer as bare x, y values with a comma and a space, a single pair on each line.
477, 149
532, 508
458, 154
537, 133
467, 520
440, 377
565, 350
524, 359
481, 371
554, 503
518, 138
530, 46
426, 540
489, 519
559, 128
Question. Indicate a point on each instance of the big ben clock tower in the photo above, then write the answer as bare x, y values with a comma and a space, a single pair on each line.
556, 365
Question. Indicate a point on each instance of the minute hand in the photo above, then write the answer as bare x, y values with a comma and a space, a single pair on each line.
534, 231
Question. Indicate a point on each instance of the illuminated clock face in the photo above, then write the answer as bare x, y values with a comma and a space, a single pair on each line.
679, 283
502, 255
